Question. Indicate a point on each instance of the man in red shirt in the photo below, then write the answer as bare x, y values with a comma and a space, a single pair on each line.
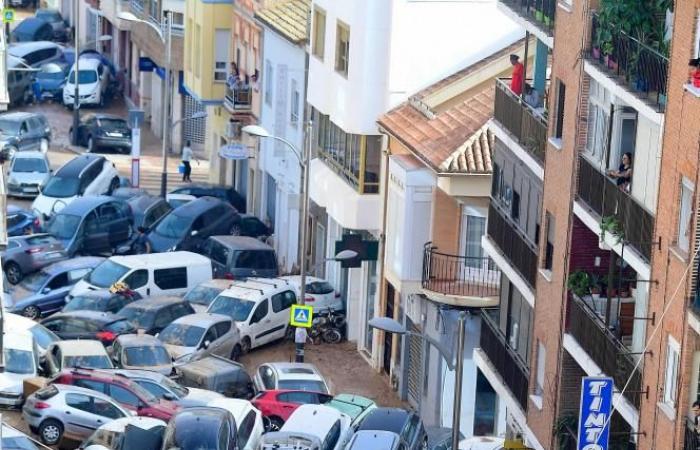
518, 76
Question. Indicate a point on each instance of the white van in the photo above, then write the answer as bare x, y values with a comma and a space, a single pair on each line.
37, 53
150, 274
21, 363
93, 81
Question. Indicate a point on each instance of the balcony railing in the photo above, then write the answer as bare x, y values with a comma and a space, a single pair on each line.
601, 344
511, 368
528, 127
460, 276
239, 98
602, 195
519, 252
692, 440
643, 69
540, 12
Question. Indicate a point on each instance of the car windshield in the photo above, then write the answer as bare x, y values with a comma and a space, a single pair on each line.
84, 77
120, 326
88, 361
191, 437
18, 443
61, 187
302, 385
63, 226
113, 124
104, 438
43, 335
174, 226
9, 127
29, 165
82, 302
139, 317
172, 386
202, 295
148, 355
319, 287
49, 16
106, 274
236, 308
35, 281
19, 361
182, 335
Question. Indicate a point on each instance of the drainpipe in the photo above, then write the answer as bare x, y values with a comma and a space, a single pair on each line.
382, 246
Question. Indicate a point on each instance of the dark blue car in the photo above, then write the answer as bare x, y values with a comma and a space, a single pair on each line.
51, 79
20, 220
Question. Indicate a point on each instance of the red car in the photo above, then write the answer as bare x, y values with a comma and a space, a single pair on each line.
121, 389
279, 405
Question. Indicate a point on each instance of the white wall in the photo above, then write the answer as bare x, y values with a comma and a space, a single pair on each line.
645, 167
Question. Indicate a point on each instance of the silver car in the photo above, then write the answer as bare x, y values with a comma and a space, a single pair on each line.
76, 353
198, 335
29, 172
27, 254
141, 351
61, 412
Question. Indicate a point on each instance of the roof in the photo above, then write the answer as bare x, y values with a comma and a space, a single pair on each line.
20, 49
323, 418
168, 259
138, 340
17, 115
76, 165
145, 423
29, 154
242, 242
155, 302
253, 288
196, 206
97, 316
81, 347
219, 283
236, 406
201, 319
143, 202
138, 373
81, 205
74, 263
289, 18
374, 439
387, 419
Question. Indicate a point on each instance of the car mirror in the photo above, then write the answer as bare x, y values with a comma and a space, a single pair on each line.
169, 396
46, 290
194, 233
206, 344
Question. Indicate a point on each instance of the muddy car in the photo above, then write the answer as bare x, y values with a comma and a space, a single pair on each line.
217, 374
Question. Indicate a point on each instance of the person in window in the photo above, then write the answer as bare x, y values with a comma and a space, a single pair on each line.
518, 77
623, 174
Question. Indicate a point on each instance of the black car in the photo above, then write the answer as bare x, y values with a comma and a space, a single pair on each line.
253, 227
155, 313
189, 225
201, 427
101, 326
101, 300
98, 131
225, 193
406, 424
148, 210
32, 29
54, 18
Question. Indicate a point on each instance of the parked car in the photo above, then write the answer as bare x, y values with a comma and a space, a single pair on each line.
128, 192
23, 131
406, 424
248, 420
225, 193
236, 257
101, 326
141, 351
123, 390
201, 428
32, 29
197, 335
37, 53
201, 296
330, 426
59, 412
148, 210
13, 439
27, 254
293, 440
354, 406
290, 376
76, 353
166, 388
100, 300
20, 221
19, 81
253, 227
177, 200
149, 274
278, 405
320, 294
386, 440
44, 292
99, 131
217, 374
29, 172
188, 226
93, 82
51, 79
144, 433
81, 176
61, 31
42, 336
153, 314
21, 363
260, 307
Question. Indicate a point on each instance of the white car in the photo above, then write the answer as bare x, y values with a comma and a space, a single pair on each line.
93, 80
29, 172
319, 293
290, 376
248, 420
327, 424
21, 363
43, 337
84, 353
114, 436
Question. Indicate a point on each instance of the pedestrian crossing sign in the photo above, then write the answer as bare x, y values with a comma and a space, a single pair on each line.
8, 15
301, 316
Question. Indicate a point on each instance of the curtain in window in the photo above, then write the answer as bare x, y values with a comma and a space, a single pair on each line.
476, 227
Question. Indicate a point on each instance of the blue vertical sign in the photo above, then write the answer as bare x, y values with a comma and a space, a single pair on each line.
594, 415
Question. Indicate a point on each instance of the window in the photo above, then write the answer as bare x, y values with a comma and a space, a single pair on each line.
685, 214
222, 38
267, 377
260, 312
153, 388
222, 328
173, 278
474, 227
559, 118
516, 314
79, 401
294, 111
219, 252
342, 48
195, 50
123, 396
549, 250
59, 281
319, 29
269, 76
137, 279
245, 428
90, 384
598, 120
541, 358
106, 409
515, 207
671, 377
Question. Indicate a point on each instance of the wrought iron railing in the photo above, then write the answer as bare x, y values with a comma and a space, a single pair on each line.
461, 276
521, 254
541, 12
607, 199
692, 439
643, 69
239, 97
514, 372
606, 350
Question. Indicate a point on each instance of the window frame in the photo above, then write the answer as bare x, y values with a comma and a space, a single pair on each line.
342, 48
171, 278
672, 366
685, 214
318, 43
558, 132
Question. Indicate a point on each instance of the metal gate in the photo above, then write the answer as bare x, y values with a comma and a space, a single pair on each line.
415, 365
193, 130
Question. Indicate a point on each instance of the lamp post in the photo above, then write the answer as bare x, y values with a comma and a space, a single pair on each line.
389, 325
167, 39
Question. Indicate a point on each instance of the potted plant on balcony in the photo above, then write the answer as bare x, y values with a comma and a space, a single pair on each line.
579, 283
610, 224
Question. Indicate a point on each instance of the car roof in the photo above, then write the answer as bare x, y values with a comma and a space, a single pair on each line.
23, 238
75, 166
31, 23
97, 316
67, 388
202, 415
20, 49
145, 423
323, 417
215, 282
107, 116
296, 279
198, 205
80, 347
242, 242
202, 185
387, 419
254, 288
156, 260
11, 432
29, 154
19, 340
203, 319
374, 439
17, 115
137, 373
143, 202
82, 205
295, 371
155, 302
289, 440
236, 406
88, 63
80, 262
99, 293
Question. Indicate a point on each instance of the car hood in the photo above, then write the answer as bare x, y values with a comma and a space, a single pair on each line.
45, 204
81, 287
13, 382
198, 397
199, 308
50, 85
29, 177
161, 243
165, 369
177, 351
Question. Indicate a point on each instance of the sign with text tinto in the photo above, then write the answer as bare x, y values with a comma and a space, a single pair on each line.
594, 415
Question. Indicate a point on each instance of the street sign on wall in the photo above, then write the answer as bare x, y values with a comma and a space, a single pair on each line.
235, 151
594, 414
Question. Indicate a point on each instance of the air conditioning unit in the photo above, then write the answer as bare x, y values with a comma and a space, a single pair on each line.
233, 129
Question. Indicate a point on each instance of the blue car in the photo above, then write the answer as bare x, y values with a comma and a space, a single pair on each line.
20, 220
51, 79
44, 292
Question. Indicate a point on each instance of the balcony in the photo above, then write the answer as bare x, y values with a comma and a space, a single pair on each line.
604, 197
521, 254
537, 12
238, 98
527, 125
606, 350
631, 62
460, 280
691, 440
513, 371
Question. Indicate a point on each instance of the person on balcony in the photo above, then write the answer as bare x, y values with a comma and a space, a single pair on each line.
234, 76
532, 97
623, 174
518, 77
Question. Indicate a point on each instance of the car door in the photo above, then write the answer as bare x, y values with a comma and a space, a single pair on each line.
138, 281
34, 133
281, 310
25, 139
86, 413
95, 237
85, 129
208, 344
54, 292
54, 357
113, 223
223, 346
96, 179
219, 255
74, 328
411, 432
259, 324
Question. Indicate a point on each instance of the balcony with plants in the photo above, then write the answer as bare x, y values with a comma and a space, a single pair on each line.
540, 13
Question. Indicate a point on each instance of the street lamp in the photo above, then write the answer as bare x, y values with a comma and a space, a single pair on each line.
389, 325
167, 92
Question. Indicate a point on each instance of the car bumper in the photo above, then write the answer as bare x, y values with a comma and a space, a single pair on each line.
10, 399
32, 418
89, 99
25, 191
105, 141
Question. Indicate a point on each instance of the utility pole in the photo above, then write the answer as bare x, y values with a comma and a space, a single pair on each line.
76, 73
167, 92
4, 94
4, 101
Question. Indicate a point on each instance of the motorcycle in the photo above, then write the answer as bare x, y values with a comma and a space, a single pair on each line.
328, 326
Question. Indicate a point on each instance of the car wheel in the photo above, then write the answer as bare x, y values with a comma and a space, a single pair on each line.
44, 145
90, 145
50, 431
275, 423
31, 312
113, 186
245, 345
235, 230
236, 352
13, 272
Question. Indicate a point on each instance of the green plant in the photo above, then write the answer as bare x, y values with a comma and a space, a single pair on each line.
564, 430
612, 225
579, 282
